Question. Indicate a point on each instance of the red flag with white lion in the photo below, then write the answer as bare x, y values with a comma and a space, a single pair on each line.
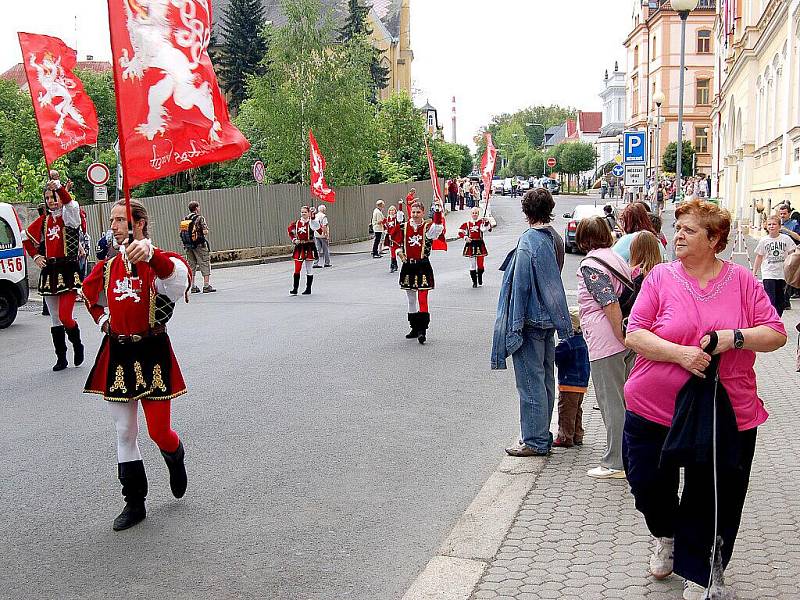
488, 164
64, 111
319, 186
171, 113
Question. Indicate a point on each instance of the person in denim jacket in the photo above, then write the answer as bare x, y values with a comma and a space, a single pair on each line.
532, 307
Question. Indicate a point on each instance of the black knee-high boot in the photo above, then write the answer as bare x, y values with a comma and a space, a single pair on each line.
74, 336
134, 490
177, 470
393, 266
293, 291
413, 321
474, 276
60, 345
424, 322
309, 281
480, 276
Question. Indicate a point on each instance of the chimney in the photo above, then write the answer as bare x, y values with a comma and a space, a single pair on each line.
454, 121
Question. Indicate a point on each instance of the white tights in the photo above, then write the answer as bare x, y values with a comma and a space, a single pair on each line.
52, 308
126, 422
413, 304
473, 263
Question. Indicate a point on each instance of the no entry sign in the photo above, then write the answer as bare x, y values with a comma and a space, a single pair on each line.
98, 174
551, 162
259, 172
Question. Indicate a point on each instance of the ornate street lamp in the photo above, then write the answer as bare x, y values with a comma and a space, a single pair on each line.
658, 98
683, 8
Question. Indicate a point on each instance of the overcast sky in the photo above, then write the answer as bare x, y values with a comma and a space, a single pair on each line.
495, 56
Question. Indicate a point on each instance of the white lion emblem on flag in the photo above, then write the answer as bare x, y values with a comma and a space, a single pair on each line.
152, 36
57, 88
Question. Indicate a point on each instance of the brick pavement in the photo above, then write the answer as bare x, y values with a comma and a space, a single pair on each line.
576, 537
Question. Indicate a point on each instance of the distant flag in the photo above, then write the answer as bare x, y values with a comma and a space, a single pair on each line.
488, 163
65, 113
319, 187
439, 243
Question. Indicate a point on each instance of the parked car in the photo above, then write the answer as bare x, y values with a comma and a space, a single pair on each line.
551, 185
524, 184
497, 186
13, 268
582, 211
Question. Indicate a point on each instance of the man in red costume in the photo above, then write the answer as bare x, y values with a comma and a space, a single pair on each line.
132, 297
54, 242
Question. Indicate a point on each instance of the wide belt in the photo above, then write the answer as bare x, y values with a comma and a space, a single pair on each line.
138, 337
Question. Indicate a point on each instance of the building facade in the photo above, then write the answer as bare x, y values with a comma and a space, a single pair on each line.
614, 115
653, 52
757, 108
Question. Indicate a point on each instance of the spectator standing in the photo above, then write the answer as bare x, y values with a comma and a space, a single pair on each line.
612, 187
531, 309
377, 228
572, 360
452, 194
322, 238
603, 187
600, 285
194, 235
679, 304
514, 187
610, 218
632, 220
771, 251
791, 227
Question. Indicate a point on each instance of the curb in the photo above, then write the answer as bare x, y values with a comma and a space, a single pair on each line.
458, 566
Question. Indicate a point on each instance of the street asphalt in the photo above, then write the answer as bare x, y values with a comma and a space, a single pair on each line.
328, 456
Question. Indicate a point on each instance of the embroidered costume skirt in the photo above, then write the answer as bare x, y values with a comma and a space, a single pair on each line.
475, 248
417, 275
133, 370
58, 276
305, 251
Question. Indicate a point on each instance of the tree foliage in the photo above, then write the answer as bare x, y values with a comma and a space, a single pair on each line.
671, 158
356, 30
243, 50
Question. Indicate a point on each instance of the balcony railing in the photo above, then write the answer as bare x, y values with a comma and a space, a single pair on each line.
658, 5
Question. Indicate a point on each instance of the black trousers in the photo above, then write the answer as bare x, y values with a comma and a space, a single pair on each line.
777, 293
376, 245
453, 197
688, 518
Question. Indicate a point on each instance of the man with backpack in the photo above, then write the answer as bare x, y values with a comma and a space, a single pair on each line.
194, 235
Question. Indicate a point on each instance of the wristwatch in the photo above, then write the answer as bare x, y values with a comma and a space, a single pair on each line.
738, 339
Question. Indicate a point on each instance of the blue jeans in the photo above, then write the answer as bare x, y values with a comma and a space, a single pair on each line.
534, 371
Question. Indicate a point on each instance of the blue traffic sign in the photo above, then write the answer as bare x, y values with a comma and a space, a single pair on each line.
635, 148
618, 171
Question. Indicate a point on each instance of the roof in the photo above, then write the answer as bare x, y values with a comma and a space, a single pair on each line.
17, 72
590, 122
554, 135
388, 11
572, 130
428, 106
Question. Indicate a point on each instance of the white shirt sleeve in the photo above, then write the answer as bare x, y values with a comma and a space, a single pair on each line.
314, 224
434, 231
174, 286
71, 213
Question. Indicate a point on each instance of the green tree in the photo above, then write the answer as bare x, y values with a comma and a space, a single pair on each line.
671, 158
391, 171
243, 49
576, 158
535, 163
357, 29
400, 128
467, 166
312, 83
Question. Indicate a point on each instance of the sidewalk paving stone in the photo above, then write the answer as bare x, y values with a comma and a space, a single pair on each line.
577, 537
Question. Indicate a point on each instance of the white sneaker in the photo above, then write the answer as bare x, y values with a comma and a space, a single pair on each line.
692, 591
661, 559
605, 473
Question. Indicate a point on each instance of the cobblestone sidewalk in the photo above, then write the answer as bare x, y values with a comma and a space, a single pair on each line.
576, 537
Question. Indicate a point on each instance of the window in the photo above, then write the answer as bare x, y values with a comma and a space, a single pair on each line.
704, 41
703, 92
635, 86
701, 140
7, 240
655, 49
636, 57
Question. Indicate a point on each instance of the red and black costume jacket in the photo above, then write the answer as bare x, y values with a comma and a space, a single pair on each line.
391, 226
416, 240
473, 230
56, 237
302, 235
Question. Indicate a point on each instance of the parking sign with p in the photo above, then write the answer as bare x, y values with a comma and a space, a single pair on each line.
635, 147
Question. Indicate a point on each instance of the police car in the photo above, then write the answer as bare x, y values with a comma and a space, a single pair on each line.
13, 269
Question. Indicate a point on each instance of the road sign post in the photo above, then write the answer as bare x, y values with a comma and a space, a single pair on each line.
618, 171
98, 174
100, 194
551, 163
635, 148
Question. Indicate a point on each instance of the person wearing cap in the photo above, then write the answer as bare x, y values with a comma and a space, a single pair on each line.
322, 238
301, 232
415, 240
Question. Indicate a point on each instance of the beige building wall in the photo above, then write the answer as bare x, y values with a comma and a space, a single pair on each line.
757, 112
397, 52
653, 51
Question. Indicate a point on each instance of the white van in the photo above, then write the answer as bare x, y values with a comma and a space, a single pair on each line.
13, 268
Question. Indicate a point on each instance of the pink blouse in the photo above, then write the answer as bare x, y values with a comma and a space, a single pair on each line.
672, 306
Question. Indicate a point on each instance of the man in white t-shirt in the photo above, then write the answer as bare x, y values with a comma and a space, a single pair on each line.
322, 238
771, 252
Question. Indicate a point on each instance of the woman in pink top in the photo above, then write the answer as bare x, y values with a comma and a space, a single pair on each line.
679, 303
599, 289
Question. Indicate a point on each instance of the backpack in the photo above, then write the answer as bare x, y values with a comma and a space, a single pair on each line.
191, 234
630, 289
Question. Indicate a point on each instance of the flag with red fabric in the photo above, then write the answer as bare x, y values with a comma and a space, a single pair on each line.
487, 165
439, 243
65, 113
171, 114
319, 186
